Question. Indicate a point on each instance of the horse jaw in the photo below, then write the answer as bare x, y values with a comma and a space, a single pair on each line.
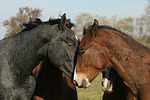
81, 80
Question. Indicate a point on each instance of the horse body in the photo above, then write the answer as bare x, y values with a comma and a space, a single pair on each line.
104, 46
131, 60
15, 58
53, 84
22, 52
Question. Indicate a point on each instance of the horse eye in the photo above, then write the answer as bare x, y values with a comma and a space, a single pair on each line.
68, 43
81, 52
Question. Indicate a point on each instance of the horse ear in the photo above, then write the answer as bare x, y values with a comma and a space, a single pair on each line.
69, 24
95, 22
38, 21
63, 22
95, 28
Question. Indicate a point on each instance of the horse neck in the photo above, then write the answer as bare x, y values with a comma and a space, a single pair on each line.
26, 49
127, 57
49, 76
52, 82
128, 52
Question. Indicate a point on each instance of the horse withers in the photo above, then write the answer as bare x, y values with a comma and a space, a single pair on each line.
103, 46
22, 52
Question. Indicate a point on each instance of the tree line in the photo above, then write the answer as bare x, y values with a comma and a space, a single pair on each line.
138, 28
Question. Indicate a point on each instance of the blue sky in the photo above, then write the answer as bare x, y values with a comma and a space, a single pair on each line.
52, 8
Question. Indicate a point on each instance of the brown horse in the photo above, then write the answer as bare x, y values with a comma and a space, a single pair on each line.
113, 86
52, 84
103, 46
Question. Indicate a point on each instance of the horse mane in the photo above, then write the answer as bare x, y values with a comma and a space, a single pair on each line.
135, 44
38, 21
106, 27
103, 27
120, 33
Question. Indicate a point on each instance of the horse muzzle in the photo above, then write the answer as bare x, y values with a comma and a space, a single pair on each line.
81, 81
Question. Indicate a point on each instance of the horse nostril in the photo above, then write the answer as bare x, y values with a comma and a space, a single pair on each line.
84, 83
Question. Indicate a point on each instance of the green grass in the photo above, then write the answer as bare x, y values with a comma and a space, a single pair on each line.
94, 92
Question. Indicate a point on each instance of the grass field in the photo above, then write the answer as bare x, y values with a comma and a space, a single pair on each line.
94, 92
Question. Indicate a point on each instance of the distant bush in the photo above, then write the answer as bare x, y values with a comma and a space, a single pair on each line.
145, 40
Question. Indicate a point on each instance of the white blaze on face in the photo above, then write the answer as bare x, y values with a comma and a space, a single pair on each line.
76, 37
74, 76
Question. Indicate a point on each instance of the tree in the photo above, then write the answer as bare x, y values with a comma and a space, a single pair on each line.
25, 15
83, 19
140, 23
145, 40
123, 24
103, 20
146, 17
143, 23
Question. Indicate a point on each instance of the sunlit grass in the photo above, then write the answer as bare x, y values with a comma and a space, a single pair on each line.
94, 92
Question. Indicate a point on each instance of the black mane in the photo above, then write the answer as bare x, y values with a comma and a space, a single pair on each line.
31, 25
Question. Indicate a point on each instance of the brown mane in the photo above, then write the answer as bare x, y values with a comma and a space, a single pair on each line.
106, 28
129, 40
109, 28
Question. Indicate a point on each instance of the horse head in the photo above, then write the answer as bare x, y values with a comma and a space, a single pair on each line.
92, 57
62, 46
53, 40
103, 46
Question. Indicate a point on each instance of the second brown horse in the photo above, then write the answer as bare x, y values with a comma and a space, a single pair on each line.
103, 46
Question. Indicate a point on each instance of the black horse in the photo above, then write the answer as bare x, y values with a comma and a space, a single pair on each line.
19, 55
